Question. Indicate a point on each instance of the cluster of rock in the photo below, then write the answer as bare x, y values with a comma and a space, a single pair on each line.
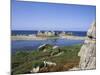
88, 51
46, 33
53, 33
54, 50
45, 63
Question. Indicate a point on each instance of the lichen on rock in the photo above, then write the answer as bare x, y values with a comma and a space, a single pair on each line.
88, 51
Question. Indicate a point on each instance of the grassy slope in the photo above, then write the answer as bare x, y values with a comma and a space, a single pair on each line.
22, 62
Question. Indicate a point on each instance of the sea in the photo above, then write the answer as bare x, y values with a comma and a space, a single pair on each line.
24, 32
29, 45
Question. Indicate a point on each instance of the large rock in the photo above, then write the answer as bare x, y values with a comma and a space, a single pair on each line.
88, 51
45, 47
92, 31
35, 70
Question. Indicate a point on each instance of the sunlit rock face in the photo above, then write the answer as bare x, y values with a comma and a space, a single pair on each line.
88, 50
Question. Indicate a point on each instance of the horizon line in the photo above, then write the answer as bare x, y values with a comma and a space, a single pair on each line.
50, 30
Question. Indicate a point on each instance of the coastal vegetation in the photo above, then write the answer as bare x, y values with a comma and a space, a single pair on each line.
64, 58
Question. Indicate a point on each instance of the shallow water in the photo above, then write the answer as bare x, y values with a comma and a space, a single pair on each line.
28, 45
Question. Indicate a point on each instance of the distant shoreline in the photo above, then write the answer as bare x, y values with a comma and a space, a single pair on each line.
32, 37
43, 32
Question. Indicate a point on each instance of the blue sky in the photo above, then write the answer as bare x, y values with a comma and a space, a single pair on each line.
50, 16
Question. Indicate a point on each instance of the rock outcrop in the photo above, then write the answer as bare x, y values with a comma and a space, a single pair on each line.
45, 47
35, 70
53, 50
44, 64
88, 51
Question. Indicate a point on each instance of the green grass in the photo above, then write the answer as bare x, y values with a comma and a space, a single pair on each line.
23, 62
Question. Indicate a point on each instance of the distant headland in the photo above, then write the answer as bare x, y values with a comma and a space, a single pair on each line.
44, 35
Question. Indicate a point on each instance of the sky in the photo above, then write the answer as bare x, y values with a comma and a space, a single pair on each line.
51, 16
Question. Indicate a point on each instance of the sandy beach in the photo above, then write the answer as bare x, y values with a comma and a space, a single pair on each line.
74, 37
24, 37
